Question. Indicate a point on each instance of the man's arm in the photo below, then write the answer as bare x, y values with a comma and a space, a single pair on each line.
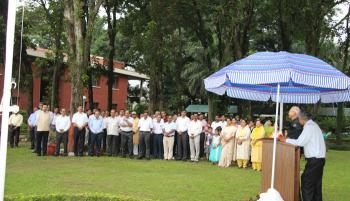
303, 138
67, 126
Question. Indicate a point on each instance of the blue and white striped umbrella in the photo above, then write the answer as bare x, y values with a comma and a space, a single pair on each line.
302, 78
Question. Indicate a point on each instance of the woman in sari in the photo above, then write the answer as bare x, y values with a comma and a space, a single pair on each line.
227, 141
243, 144
269, 128
256, 136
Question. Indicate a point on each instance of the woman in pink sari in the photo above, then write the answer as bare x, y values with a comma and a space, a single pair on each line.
227, 140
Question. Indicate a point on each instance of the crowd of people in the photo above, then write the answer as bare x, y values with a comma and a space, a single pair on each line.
224, 142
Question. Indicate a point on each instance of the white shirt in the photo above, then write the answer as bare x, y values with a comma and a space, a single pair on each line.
146, 125
169, 126
158, 127
195, 128
123, 122
216, 124
312, 140
182, 124
16, 120
62, 122
112, 125
80, 119
54, 118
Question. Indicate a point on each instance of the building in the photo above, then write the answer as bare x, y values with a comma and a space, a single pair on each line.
100, 93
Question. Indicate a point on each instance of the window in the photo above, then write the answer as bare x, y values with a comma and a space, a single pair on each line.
114, 106
96, 105
14, 100
115, 83
96, 80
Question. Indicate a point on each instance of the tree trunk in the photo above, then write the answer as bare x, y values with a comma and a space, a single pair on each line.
340, 123
112, 22
90, 89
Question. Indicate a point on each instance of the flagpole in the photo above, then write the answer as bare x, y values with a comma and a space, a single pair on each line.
10, 32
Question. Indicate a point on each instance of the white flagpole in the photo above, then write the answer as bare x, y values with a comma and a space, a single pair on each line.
275, 139
10, 32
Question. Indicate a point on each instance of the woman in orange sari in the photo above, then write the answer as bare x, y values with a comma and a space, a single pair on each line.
227, 140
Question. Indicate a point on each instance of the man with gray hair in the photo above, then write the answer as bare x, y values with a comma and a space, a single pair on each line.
294, 128
312, 140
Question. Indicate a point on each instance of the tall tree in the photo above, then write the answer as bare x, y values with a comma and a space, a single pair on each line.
80, 15
111, 7
54, 15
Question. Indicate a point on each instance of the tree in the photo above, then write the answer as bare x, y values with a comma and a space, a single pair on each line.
111, 7
80, 15
340, 109
54, 16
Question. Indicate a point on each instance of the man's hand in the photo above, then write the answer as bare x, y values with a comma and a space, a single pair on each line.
282, 138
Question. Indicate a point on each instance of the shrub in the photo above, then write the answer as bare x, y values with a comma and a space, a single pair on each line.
72, 197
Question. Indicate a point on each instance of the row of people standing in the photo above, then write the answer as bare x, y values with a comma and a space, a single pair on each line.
235, 140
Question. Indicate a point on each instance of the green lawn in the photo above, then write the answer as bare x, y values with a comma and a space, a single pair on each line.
162, 180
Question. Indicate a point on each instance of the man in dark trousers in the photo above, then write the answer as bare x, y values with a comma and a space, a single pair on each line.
312, 140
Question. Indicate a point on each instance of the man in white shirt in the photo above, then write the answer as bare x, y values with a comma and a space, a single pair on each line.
55, 114
145, 129
194, 130
15, 122
182, 124
312, 140
216, 123
80, 121
62, 125
158, 129
168, 140
113, 137
126, 134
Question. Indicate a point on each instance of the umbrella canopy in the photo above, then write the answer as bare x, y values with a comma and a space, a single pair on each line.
302, 79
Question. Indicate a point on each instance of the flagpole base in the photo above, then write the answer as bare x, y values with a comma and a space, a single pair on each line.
271, 195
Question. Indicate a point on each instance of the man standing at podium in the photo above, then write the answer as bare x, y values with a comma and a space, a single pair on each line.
312, 140
294, 128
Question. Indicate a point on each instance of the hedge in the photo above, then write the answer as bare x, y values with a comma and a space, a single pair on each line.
72, 197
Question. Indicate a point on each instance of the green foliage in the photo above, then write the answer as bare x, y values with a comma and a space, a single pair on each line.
71, 197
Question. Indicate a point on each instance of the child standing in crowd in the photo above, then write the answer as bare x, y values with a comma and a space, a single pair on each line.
207, 141
215, 147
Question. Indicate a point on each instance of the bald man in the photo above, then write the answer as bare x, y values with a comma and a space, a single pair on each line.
294, 128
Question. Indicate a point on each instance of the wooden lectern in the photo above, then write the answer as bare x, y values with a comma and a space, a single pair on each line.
287, 170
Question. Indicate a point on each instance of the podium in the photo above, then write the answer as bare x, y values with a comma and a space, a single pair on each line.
287, 170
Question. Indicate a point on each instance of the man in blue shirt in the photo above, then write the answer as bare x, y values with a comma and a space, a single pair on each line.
31, 125
96, 128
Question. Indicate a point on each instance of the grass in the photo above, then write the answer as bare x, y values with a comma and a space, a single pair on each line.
155, 179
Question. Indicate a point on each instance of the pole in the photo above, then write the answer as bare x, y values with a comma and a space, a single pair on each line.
275, 139
20, 55
10, 32
281, 117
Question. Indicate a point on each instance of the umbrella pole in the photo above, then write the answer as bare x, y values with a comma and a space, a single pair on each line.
281, 117
275, 139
